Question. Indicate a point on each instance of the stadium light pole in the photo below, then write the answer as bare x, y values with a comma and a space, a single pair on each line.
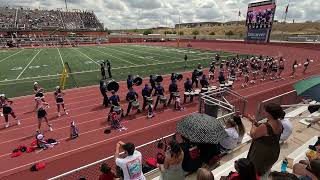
65, 2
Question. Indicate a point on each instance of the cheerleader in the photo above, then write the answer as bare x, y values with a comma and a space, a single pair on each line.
58, 95
306, 64
38, 91
274, 69
264, 71
246, 76
41, 105
294, 67
211, 72
281, 68
5, 104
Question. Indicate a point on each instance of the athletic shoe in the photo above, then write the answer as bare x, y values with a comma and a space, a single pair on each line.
66, 112
59, 114
50, 128
18, 122
7, 125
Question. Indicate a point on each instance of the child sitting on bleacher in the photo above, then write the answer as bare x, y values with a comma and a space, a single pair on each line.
231, 141
287, 128
244, 170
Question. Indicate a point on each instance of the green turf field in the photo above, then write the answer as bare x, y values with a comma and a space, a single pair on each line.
20, 68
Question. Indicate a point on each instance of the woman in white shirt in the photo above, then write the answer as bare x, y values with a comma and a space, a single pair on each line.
240, 128
287, 128
231, 141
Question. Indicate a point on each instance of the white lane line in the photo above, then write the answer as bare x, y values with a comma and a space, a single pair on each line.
92, 144
60, 57
140, 57
29, 64
112, 56
11, 55
86, 56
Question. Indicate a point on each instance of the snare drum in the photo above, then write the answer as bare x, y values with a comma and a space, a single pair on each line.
163, 99
197, 92
149, 99
204, 90
135, 105
191, 93
175, 94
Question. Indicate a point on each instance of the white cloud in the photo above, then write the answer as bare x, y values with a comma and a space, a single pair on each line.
150, 13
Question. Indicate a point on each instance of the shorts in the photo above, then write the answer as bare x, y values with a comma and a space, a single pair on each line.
42, 113
59, 101
40, 94
7, 110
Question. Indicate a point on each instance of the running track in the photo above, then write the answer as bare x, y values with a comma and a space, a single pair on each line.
84, 105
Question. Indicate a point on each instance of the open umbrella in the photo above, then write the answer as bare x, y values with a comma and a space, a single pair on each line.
309, 88
201, 128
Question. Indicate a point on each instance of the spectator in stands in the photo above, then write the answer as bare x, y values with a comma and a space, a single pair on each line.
287, 128
131, 165
310, 167
265, 148
245, 171
282, 176
107, 173
204, 174
240, 128
191, 159
231, 141
172, 167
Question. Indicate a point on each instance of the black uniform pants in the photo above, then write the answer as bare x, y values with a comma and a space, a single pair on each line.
195, 81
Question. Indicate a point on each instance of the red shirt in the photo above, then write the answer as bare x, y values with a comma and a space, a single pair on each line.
109, 176
236, 176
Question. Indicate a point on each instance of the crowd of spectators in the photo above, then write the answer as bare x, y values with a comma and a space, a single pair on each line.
36, 19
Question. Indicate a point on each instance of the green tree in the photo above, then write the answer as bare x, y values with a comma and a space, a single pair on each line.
212, 33
148, 31
195, 32
229, 33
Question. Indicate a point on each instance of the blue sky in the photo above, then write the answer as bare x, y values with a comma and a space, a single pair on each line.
117, 14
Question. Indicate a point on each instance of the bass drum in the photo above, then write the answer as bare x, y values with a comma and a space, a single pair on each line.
112, 85
137, 81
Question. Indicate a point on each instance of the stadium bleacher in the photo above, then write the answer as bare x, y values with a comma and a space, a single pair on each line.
36, 19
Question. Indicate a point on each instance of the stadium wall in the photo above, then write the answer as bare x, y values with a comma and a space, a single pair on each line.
59, 33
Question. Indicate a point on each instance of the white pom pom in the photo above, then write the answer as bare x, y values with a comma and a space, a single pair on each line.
300, 64
311, 60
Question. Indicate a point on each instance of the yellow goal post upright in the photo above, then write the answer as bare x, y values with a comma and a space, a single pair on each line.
64, 76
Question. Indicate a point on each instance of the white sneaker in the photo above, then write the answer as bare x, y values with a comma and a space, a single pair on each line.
1, 114
66, 112
59, 114
50, 128
7, 125
18, 122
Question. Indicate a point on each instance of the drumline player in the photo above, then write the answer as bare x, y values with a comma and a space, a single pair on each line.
146, 92
173, 88
159, 92
132, 97
115, 102
187, 90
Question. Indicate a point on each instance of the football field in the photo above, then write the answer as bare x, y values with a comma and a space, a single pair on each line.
21, 67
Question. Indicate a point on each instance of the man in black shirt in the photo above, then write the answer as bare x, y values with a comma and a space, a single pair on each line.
129, 82
153, 84
146, 92
103, 71
194, 78
204, 81
173, 87
103, 90
114, 101
131, 97
159, 92
109, 68
185, 61
187, 88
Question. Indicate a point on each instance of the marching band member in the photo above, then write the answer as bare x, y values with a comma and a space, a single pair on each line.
146, 92
5, 104
129, 82
294, 68
159, 92
103, 71
131, 97
173, 87
58, 95
153, 84
188, 89
173, 77
114, 101
194, 77
211, 72
109, 68
103, 91
306, 64
41, 105
204, 81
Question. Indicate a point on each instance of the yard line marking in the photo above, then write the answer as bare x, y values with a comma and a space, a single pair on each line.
86, 56
61, 57
133, 54
29, 64
112, 56
88, 71
95, 143
11, 55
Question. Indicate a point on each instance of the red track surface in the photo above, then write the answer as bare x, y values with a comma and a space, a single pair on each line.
84, 105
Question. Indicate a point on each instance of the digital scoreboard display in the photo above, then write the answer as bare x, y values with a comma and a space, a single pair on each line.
259, 21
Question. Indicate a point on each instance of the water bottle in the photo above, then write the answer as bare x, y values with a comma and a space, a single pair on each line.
284, 165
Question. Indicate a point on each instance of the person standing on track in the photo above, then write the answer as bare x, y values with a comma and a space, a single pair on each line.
41, 105
173, 88
5, 104
58, 95
109, 68
103, 91
103, 71
159, 92
132, 96
194, 78
306, 64
146, 92
281, 68
114, 100
294, 68
129, 82
153, 84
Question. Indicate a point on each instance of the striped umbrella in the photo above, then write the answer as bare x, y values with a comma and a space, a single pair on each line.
201, 128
